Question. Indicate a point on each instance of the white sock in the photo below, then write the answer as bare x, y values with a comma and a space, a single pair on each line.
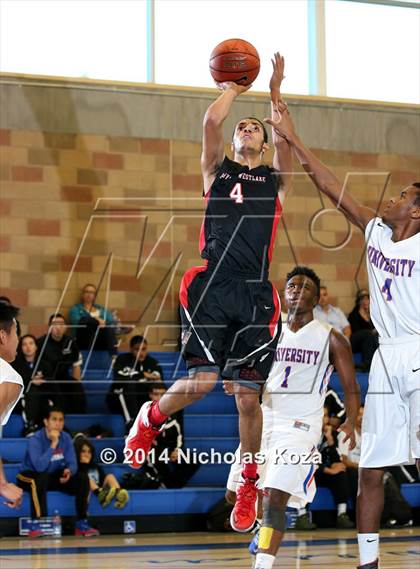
264, 561
341, 508
301, 511
368, 547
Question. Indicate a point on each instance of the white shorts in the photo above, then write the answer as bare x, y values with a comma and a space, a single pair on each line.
288, 466
391, 421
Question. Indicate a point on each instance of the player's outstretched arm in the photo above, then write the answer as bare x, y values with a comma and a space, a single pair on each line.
213, 142
342, 358
283, 155
323, 178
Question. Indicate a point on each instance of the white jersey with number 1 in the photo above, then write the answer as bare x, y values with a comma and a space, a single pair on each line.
292, 409
295, 390
391, 422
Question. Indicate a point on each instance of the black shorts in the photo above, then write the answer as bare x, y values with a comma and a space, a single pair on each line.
230, 325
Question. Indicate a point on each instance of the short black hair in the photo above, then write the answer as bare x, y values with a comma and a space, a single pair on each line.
306, 272
5, 300
417, 198
53, 409
259, 122
53, 316
8, 314
137, 340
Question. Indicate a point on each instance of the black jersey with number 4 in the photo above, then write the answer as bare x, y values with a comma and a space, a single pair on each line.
242, 214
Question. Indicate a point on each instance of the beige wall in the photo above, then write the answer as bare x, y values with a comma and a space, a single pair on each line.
75, 206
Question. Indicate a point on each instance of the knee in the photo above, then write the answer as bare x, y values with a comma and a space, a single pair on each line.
275, 499
201, 384
275, 503
248, 403
370, 478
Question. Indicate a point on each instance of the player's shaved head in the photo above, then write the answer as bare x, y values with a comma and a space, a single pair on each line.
403, 208
306, 272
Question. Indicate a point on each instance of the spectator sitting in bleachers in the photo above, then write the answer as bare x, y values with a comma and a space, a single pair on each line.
364, 337
105, 486
336, 408
50, 464
325, 312
332, 473
351, 457
39, 393
174, 471
87, 316
61, 352
133, 373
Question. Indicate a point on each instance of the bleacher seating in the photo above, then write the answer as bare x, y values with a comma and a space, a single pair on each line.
208, 424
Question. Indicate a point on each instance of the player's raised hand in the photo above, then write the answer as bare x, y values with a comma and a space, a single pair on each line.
230, 85
348, 429
282, 122
276, 77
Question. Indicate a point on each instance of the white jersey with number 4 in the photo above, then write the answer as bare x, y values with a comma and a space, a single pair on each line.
394, 281
295, 390
390, 429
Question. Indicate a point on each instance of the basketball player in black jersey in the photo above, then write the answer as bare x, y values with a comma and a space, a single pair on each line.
230, 311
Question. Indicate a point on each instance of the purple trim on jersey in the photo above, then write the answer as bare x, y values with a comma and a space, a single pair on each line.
308, 479
326, 378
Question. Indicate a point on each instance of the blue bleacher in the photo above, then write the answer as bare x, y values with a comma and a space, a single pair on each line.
211, 423
142, 502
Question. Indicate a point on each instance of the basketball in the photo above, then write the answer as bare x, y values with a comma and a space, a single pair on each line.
235, 60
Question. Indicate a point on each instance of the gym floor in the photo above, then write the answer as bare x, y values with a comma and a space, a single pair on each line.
323, 548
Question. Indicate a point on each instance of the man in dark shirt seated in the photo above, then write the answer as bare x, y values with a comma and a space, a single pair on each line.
50, 464
40, 392
364, 337
134, 372
61, 352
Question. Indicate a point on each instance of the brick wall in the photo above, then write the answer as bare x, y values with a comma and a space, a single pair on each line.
76, 208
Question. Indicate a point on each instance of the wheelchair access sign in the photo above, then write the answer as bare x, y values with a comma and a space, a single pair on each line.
129, 526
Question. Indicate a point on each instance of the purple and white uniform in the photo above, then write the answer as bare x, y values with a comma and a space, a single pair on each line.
391, 422
293, 409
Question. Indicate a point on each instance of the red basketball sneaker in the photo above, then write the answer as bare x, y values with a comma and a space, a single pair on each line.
140, 438
244, 512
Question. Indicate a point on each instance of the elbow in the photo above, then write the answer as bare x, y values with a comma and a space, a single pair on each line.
211, 119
